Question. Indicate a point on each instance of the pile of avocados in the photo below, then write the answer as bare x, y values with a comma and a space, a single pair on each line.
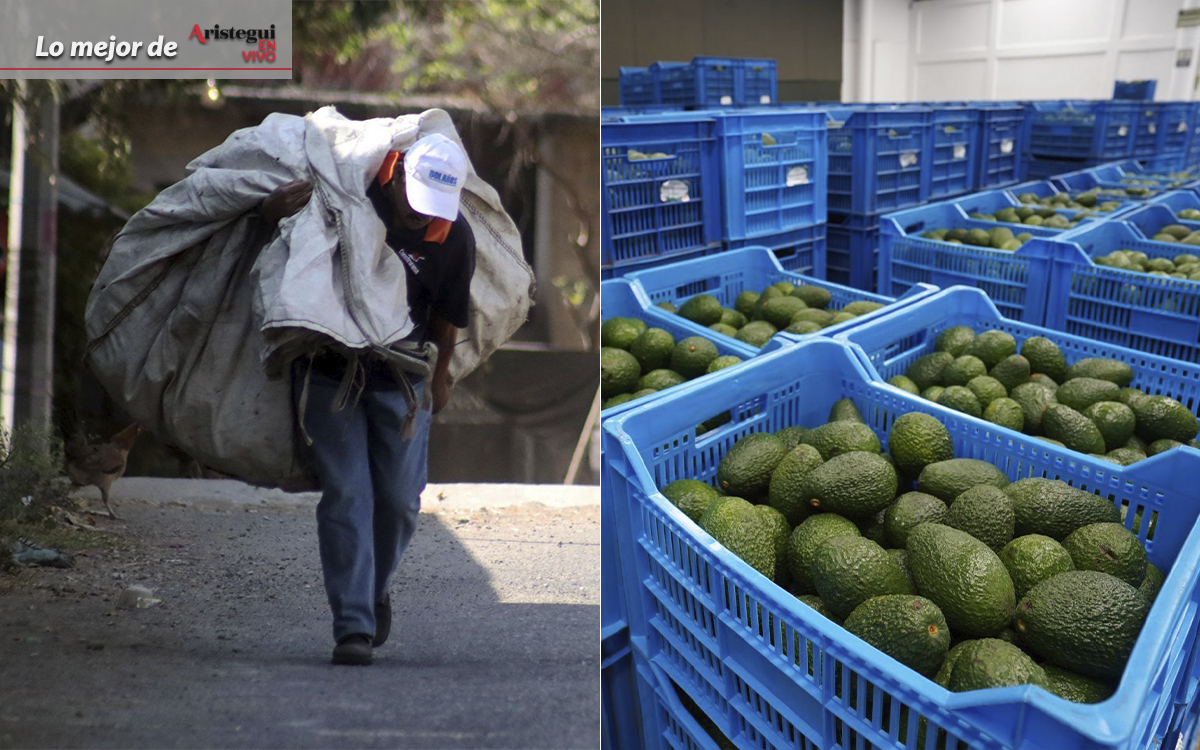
757, 316
637, 360
1086, 406
1004, 238
939, 562
1182, 266
999, 238
1085, 201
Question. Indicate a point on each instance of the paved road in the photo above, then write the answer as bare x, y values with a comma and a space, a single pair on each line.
497, 629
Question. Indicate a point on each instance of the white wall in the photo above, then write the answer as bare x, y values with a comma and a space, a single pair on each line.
1013, 49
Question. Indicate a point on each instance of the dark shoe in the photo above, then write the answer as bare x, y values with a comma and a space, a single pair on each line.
353, 649
383, 621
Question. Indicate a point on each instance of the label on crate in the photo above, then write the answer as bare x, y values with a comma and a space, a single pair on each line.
908, 159
1006, 146
1182, 128
1123, 131
797, 176
960, 151
1152, 128
726, 100
764, 99
674, 191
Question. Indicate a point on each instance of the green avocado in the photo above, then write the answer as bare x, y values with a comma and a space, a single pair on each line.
745, 469
910, 629
848, 570
964, 577
1054, 508
946, 480
856, 485
1082, 620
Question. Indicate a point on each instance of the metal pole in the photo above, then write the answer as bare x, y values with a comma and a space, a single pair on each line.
12, 281
584, 436
27, 375
35, 359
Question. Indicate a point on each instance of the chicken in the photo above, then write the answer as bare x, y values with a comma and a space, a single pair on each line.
100, 465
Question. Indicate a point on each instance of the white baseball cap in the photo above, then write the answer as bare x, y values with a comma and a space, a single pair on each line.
435, 169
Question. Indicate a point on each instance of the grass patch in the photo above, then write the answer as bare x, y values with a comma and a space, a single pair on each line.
33, 494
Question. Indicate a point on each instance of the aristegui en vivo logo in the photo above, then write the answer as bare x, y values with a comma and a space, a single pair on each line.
265, 38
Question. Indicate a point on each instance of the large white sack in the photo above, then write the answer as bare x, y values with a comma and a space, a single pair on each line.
198, 309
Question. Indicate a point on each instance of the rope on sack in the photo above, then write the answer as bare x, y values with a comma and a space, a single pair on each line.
304, 403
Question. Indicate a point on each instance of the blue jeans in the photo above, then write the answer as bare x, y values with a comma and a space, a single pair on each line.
371, 483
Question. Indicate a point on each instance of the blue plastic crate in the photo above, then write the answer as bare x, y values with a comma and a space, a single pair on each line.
890, 344
1166, 162
761, 85
673, 83
666, 723
1154, 314
852, 253
727, 275
1193, 148
620, 715
661, 206
719, 82
689, 85
1177, 200
991, 201
1139, 90
1003, 138
1191, 730
1147, 136
1016, 281
1082, 129
1102, 180
773, 171
955, 150
625, 298
1047, 188
1176, 129
738, 644
797, 250
612, 598
638, 87
879, 159
1159, 170
1150, 218
1038, 168
619, 271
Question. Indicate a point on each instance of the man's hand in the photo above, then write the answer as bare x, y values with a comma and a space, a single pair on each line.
444, 335
441, 392
286, 200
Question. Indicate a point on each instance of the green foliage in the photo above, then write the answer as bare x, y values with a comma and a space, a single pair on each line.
510, 54
339, 26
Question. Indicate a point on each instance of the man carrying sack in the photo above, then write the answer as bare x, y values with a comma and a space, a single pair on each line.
293, 312
371, 450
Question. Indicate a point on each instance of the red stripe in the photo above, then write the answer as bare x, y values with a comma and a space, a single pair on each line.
145, 69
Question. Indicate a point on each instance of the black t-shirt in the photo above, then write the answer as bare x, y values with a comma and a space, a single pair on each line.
439, 283
439, 274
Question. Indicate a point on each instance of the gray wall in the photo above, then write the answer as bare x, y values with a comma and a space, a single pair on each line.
803, 36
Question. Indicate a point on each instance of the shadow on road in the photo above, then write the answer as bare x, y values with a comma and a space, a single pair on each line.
495, 639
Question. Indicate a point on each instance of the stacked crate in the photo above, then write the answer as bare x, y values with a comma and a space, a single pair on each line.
774, 171
880, 159
704, 82
661, 198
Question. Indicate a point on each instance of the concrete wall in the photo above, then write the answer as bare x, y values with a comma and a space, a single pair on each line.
898, 50
803, 36
568, 230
